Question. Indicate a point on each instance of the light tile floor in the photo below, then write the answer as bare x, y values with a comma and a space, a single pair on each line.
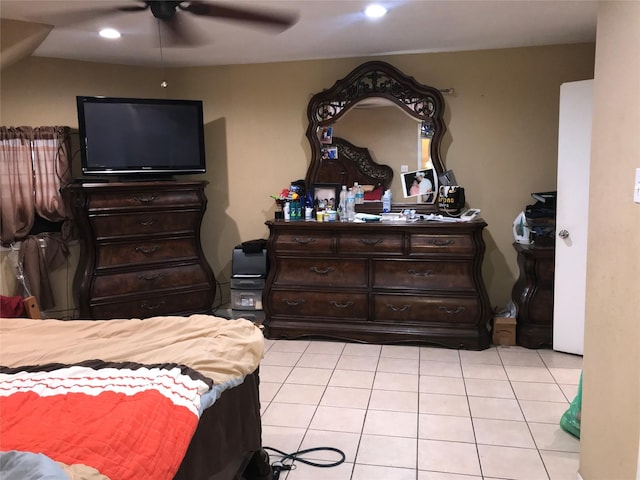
420, 413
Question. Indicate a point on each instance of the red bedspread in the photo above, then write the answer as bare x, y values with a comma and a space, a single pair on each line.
126, 420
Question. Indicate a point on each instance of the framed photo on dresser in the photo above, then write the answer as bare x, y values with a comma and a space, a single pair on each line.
326, 195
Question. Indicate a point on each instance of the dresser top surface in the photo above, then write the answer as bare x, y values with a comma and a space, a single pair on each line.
384, 226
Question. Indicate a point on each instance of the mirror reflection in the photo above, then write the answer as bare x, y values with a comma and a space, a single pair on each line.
396, 139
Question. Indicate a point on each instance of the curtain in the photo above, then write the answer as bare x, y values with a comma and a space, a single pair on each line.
52, 171
16, 185
34, 166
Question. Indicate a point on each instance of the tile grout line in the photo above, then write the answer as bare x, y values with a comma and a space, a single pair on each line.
473, 427
421, 358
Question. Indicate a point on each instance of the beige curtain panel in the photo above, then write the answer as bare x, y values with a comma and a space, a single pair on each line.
34, 166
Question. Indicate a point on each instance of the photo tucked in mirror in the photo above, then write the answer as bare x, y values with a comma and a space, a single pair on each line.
420, 184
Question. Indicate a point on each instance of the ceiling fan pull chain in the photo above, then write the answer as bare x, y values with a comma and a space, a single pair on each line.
163, 83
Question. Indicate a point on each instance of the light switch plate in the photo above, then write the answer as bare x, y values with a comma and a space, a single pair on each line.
404, 168
636, 188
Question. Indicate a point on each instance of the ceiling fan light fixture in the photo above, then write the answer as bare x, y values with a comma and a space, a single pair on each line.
375, 11
110, 33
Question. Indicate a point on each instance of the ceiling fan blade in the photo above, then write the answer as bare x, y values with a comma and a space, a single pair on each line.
175, 33
270, 19
76, 16
133, 8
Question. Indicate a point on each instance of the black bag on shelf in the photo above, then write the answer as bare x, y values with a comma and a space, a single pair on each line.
541, 218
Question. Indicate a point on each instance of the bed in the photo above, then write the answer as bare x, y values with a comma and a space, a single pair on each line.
159, 398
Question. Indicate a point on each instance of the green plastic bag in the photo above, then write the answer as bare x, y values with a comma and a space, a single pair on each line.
570, 421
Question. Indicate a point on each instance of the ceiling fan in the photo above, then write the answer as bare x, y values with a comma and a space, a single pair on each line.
171, 16
168, 14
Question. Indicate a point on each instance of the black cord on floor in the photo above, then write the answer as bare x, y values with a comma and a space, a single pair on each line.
280, 466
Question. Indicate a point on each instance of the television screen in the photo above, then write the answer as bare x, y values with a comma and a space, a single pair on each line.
154, 137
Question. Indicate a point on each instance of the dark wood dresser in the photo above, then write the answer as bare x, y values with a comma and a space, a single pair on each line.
385, 283
533, 296
140, 249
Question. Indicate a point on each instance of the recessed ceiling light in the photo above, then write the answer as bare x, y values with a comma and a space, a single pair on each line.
375, 11
110, 33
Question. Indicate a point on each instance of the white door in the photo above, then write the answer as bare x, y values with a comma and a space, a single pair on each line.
572, 215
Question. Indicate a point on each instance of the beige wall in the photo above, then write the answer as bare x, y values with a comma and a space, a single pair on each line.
501, 139
610, 439
19, 39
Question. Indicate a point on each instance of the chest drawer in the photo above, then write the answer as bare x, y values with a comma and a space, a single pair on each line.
424, 244
318, 272
312, 242
143, 198
416, 309
146, 252
423, 275
319, 304
151, 222
148, 280
151, 306
383, 243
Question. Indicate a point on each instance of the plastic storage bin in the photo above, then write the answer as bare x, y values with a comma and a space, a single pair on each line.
246, 299
255, 316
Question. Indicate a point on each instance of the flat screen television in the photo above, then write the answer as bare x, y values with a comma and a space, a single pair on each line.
140, 137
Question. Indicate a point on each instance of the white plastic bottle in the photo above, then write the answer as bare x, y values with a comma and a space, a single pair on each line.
342, 204
351, 205
386, 201
359, 192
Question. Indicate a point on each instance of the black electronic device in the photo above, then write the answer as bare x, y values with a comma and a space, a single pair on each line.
249, 262
141, 137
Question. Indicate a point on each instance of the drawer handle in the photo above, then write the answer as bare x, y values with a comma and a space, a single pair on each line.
147, 250
304, 241
441, 243
145, 199
148, 222
371, 241
452, 311
341, 305
152, 307
403, 308
321, 271
154, 276
415, 273
293, 303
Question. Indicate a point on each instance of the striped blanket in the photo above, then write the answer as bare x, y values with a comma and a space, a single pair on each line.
107, 418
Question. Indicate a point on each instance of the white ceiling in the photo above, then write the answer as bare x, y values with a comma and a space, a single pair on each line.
325, 29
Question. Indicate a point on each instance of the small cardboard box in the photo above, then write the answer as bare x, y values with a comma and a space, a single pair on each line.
504, 331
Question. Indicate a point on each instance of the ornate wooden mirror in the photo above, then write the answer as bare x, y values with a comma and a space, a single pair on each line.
372, 153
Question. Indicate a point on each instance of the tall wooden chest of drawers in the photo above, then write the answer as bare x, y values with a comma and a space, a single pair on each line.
140, 249
378, 282
533, 295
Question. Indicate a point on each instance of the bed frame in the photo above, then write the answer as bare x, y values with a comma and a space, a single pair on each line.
227, 445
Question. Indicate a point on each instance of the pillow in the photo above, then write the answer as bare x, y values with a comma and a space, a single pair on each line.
12, 307
374, 195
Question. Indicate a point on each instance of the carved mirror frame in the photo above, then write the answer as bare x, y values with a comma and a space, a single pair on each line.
376, 79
